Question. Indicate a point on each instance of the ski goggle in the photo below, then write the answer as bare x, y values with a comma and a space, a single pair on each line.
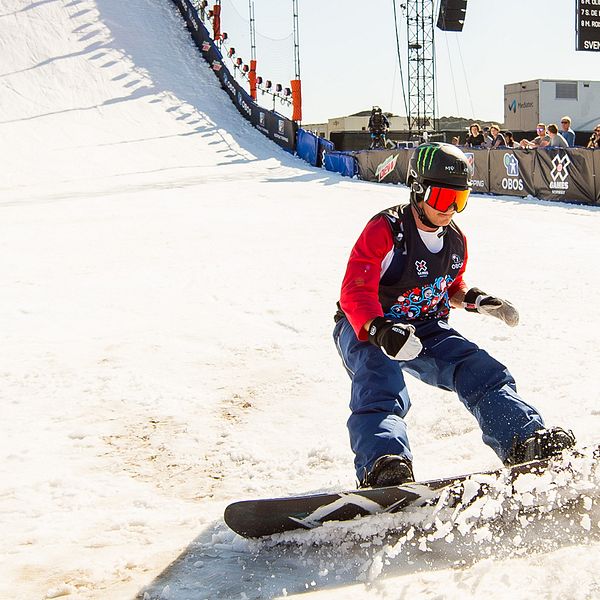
442, 199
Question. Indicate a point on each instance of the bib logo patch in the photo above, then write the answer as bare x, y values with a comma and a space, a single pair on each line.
421, 266
457, 262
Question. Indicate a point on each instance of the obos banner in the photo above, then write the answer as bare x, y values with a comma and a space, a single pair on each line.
511, 172
565, 175
275, 126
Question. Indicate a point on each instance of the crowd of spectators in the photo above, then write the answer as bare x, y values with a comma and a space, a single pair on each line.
552, 136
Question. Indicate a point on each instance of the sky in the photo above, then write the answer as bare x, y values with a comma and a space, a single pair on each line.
169, 279
349, 62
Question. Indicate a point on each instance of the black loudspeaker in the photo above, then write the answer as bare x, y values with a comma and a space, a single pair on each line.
452, 15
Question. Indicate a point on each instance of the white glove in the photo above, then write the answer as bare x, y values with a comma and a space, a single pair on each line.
478, 301
396, 340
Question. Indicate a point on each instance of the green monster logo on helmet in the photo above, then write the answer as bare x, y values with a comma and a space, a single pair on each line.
425, 153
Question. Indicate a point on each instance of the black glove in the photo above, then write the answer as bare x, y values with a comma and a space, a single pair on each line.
478, 301
396, 340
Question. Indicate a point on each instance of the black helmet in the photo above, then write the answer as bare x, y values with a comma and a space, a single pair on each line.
441, 164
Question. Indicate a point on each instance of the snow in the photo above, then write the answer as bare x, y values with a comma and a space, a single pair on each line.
168, 283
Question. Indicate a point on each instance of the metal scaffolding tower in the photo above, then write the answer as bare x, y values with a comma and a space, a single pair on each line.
252, 30
421, 65
296, 40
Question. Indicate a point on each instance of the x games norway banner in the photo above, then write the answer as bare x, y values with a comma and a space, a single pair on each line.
561, 175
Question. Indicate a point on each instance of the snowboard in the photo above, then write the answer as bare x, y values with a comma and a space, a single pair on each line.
262, 517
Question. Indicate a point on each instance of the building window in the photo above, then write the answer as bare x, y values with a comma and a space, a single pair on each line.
566, 91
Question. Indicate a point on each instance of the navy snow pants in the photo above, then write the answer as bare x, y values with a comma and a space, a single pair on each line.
379, 399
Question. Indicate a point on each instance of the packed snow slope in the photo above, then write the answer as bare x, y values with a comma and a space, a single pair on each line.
168, 282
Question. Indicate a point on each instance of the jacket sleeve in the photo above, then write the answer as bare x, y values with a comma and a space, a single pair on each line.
459, 284
360, 288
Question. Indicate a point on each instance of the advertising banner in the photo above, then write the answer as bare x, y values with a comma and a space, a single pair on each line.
275, 126
564, 175
511, 172
479, 160
383, 166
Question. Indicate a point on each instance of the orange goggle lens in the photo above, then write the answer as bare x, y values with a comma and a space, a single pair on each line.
442, 199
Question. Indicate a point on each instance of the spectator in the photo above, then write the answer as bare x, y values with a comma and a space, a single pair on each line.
556, 140
566, 131
487, 138
456, 141
475, 137
510, 140
497, 137
595, 138
542, 139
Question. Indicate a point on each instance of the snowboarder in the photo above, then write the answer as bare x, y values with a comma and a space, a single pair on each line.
404, 274
378, 126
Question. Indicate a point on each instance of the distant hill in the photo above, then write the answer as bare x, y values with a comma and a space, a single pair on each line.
367, 113
445, 123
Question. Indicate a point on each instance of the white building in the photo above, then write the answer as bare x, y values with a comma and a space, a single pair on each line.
528, 103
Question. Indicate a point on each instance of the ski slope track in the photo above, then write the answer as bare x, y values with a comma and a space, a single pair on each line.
168, 282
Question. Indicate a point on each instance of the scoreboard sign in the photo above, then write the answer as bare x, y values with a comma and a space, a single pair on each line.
588, 25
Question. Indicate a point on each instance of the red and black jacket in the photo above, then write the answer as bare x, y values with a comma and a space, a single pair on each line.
391, 271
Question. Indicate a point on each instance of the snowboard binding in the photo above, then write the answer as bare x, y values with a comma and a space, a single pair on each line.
544, 443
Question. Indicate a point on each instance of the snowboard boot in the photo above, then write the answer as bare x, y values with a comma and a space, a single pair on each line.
544, 443
389, 470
